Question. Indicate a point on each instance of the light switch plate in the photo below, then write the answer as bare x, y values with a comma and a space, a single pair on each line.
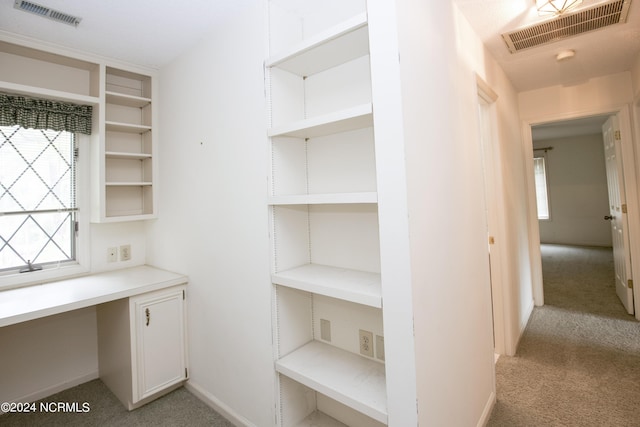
112, 254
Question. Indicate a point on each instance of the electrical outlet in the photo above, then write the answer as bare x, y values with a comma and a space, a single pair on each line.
325, 330
380, 347
366, 343
125, 252
112, 254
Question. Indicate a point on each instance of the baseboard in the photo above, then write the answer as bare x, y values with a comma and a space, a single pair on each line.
488, 408
56, 388
214, 403
525, 321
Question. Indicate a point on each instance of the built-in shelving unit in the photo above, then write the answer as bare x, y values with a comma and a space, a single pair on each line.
129, 161
122, 141
324, 219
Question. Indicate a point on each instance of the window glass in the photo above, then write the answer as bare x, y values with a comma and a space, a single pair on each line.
542, 196
37, 198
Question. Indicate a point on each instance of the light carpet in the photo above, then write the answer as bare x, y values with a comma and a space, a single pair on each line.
578, 361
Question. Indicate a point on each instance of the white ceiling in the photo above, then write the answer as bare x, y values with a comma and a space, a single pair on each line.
606, 51
154, 32
143, 32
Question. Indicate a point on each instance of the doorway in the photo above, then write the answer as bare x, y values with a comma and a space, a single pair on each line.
590, 215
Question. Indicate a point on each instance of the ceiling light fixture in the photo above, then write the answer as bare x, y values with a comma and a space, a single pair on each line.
565, 54
555, 7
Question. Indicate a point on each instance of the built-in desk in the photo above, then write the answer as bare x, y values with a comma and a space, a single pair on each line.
141, 317
32, 302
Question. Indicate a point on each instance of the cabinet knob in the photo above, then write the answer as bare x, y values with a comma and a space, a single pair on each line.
148, 315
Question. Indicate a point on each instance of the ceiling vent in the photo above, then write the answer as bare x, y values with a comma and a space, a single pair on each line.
46, 12
568, 25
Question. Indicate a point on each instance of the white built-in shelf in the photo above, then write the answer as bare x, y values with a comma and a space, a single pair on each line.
129, 184
358, 117
124, 155
318, 419
40, 92
337, 45
126, 127
317, 199
349, 285
127, 100
348, 378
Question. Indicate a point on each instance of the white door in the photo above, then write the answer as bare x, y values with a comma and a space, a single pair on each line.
618, 212
160, 341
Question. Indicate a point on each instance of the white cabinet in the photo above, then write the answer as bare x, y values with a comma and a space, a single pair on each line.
142, 345
324, 216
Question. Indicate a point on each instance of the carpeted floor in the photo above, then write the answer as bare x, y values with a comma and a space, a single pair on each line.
178, 408
578, 362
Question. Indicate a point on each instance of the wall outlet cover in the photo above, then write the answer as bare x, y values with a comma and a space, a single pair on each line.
325, 330
125, 252
366, 343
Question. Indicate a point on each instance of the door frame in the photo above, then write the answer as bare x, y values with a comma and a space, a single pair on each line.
623, 113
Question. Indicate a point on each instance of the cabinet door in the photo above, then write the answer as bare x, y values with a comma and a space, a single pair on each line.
160, 342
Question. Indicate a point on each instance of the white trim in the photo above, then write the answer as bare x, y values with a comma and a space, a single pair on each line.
217, 405
488, 408
635, 125
630, 173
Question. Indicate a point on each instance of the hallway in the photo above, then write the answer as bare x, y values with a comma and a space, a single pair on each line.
578, 362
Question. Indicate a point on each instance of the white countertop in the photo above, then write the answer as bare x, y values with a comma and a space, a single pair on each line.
32, 302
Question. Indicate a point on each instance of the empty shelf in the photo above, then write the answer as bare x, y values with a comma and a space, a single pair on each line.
348, 378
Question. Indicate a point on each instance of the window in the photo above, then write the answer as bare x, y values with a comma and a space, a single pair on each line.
38, 210
542, 195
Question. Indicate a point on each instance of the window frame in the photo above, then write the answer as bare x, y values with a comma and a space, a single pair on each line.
14, 279
545, 160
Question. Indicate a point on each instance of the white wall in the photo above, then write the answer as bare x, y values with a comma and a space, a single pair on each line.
578, 196
514, 295
512, 205
439, 59
596, 95
213, 213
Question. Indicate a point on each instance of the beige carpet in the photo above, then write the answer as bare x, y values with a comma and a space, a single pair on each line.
578, 362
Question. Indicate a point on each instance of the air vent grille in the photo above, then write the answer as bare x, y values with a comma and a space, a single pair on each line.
46, 12
569, 25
